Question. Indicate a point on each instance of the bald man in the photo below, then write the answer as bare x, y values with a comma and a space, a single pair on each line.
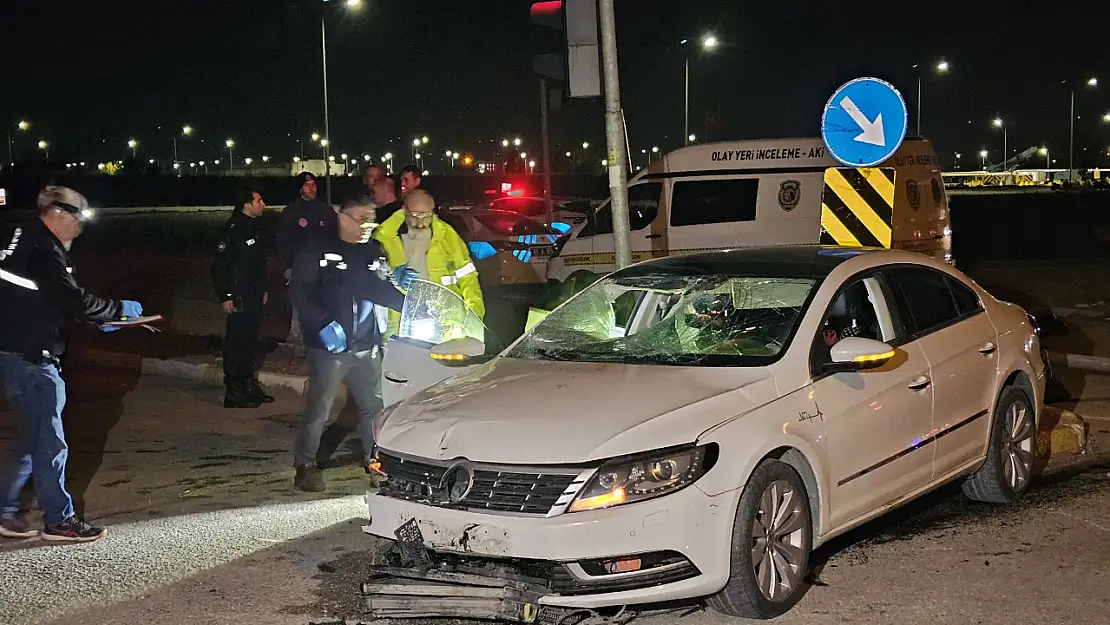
415, 237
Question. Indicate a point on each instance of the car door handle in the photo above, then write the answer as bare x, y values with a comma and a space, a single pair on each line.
653, 236
919, 383
988, 348
393, 377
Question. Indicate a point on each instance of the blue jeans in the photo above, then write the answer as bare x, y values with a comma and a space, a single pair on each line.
38, 395
362, 371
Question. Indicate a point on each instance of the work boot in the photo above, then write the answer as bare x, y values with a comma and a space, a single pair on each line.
239, 395
309, 479
259, 394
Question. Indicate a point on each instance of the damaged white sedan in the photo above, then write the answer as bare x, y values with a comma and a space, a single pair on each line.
693, 427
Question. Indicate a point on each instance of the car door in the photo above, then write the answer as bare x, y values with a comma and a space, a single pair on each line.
874, 419
432, 314
946, 317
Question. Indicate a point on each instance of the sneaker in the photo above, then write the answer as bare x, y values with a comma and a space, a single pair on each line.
15, 527
73, 530
309, 479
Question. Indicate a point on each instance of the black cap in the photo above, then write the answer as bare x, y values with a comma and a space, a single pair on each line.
304, 177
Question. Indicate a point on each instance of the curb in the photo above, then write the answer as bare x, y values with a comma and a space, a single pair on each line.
1069, 433
198, 372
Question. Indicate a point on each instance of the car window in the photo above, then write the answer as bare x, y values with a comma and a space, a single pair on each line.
699, 202
967, 301
853, 314
923, 299
643, 207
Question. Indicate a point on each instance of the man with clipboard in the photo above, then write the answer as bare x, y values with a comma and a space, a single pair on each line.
41, 301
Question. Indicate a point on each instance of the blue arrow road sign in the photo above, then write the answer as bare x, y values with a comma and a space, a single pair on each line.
864, 122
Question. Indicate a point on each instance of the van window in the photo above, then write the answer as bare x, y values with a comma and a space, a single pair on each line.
643, 207
698, 202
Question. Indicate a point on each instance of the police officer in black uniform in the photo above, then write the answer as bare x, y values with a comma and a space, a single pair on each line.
239, 274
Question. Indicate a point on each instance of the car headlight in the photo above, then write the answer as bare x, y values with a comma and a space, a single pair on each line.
631, 480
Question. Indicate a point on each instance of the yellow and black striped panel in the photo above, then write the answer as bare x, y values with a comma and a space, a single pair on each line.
857, 207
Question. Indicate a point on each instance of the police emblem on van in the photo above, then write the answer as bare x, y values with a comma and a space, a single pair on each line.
912, 194
790, 193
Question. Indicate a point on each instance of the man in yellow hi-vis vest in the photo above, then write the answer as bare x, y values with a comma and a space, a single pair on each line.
431, 248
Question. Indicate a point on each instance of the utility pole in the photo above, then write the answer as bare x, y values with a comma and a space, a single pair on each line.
614, 135
545, 141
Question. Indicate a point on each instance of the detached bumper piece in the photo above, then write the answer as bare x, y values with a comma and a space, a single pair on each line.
409, 593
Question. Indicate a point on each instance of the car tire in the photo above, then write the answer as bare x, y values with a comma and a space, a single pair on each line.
1008, 469
752, 590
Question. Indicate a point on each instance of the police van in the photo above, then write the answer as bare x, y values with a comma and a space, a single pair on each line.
769, 192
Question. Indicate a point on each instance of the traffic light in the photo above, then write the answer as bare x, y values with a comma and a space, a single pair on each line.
579, 64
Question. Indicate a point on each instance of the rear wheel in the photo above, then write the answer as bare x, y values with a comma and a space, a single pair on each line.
772, 538
1008, 470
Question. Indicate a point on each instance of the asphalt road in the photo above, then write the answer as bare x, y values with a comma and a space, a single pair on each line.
204, 527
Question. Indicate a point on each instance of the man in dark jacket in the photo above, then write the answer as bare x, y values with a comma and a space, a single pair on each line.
41, 300
301, 221
340, 286
384, 197
239, 275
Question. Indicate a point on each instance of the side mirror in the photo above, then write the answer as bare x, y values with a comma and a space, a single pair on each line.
859, 354
461, 352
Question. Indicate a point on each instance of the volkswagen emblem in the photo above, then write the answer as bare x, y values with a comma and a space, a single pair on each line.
456, 482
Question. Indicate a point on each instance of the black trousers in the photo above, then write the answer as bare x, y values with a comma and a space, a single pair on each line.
241, 341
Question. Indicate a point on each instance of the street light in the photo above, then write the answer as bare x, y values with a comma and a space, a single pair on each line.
133, 144
1092, 83
315, 137
998, 123
941, 68
186, 130
585, 145
351, 4
230, 143
45, 147
708, 42
424, 139
504, 143
265, 159
1044, 152
517, 142
24, 125
692, 138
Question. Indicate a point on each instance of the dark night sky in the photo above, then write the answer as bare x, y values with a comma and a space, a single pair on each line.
458, 71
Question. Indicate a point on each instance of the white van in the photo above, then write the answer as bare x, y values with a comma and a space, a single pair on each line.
769, 192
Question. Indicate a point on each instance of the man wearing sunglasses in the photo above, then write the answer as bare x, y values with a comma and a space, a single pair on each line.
415, 238
41, 300
341, 288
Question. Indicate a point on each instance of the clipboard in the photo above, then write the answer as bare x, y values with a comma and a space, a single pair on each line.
141, 322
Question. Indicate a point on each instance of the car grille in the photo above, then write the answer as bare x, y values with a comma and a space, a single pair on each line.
493, 489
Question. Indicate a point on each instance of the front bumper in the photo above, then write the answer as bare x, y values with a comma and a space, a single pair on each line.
685, 536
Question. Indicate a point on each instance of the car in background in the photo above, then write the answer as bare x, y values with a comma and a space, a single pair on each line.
508, 247
709, 420
565, 210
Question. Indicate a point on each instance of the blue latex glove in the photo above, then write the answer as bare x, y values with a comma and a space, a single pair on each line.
131, 310
108, 328
404, 275
334, 338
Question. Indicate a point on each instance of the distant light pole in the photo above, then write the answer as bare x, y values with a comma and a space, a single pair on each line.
1091, 82
1047, 162
941, 68
133, 144
708, 42
45, 147
998, 123
983, 159
186, 130
327, 119
230, 143
22, 126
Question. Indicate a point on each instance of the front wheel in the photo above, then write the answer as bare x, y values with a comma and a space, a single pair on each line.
772, 538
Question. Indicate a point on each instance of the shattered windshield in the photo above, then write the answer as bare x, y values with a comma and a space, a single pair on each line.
668, 318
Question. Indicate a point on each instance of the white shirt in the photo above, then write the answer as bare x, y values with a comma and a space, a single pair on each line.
416, 244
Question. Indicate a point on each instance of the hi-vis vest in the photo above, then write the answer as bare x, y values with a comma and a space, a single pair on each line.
449, 261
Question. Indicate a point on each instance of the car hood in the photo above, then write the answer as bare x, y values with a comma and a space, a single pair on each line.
541, 412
